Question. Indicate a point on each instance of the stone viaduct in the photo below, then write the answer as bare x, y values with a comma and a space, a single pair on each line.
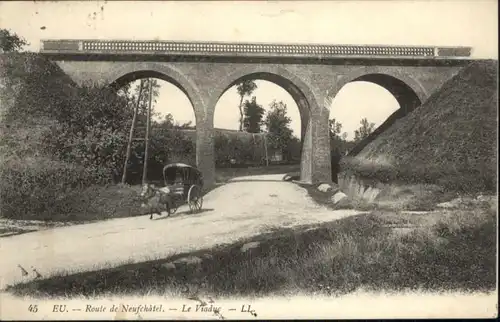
312, 74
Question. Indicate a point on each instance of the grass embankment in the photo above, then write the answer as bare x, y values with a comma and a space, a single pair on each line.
450, 140
446, 250
444, 149
384, 197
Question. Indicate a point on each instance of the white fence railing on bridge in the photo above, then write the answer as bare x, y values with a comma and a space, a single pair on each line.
249, 49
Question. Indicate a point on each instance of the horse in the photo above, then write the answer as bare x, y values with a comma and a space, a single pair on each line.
155, 199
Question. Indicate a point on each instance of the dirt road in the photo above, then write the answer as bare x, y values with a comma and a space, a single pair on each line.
243, 208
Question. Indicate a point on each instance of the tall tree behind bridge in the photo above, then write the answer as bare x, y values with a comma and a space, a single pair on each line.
364, 130
10, 41
335, 129
144, 98
137, 94
338, 139
244, 88
254, 114
139, 98
278, 126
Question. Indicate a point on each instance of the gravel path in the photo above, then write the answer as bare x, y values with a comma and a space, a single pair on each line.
246, 207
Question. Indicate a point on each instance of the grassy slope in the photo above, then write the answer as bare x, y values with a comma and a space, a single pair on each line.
449, 140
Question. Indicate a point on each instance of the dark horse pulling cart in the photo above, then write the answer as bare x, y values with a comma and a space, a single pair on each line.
183, 184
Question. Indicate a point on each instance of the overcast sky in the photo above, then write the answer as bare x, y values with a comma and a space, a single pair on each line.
448, 23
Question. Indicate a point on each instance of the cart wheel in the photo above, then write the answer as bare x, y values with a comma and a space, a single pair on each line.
195, 199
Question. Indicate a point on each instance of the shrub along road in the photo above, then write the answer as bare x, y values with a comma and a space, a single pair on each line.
241, 209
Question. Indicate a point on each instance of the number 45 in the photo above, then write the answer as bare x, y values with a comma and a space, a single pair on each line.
33, 308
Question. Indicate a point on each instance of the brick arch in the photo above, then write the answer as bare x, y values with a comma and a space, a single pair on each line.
381, 77
303, 94
315, 165
137, 70
408, 92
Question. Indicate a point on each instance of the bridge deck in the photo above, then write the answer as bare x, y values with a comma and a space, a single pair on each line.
321, 51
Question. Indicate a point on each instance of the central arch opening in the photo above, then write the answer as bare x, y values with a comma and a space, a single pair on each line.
260, 121
172, 136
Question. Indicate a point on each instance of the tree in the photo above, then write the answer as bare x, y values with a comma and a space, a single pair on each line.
364, 130
168, 122
338, 139
294, 149
170, 144
144, 98
10, 41
246, 87
89, 128
254, 114
221, 149
141, 98
278, 126
335, 129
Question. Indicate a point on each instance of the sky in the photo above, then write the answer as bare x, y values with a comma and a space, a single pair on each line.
397, 22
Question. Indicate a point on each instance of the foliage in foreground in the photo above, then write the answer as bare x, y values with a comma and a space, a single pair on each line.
45, 189
455, 252
57, 138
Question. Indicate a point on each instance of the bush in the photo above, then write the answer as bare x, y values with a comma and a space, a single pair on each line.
244, 148
35, 186
83, 124
45, 189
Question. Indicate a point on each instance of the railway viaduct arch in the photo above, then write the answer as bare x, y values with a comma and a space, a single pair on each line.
312, 74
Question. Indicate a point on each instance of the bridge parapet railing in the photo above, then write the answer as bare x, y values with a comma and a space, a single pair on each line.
248, 49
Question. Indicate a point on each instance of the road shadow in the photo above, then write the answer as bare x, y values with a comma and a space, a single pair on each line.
184, 213
257, 180
278, 177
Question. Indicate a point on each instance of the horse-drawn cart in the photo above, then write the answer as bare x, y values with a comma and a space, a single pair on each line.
183, 184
